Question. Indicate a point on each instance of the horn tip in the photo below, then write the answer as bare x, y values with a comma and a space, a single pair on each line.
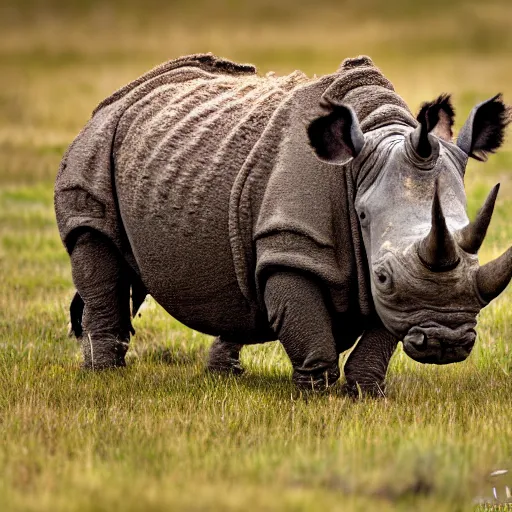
493, 277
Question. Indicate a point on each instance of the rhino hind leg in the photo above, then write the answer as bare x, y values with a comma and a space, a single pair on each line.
102, 281
224, 357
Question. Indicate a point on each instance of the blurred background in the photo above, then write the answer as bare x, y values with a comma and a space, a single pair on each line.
59, 58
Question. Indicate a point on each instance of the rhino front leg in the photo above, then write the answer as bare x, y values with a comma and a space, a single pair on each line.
224, 357
298, 315
366, 367
102, 282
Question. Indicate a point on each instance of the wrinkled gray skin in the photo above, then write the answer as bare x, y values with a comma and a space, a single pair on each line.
426, 282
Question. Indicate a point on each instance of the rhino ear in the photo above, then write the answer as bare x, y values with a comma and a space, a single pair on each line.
484, 130
336, 137
438, 116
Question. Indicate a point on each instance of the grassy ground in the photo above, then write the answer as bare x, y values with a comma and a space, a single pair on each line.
162, 434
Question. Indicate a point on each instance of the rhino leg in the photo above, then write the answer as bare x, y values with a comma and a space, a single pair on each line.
298, 314
366, 367
224, 357
101, 279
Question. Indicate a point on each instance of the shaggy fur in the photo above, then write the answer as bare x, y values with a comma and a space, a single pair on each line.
438, 117
484, 131
489, 128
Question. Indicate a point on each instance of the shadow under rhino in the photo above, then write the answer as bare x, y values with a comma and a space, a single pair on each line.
313, 211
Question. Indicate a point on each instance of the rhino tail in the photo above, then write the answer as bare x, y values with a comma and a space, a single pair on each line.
76, 312
139, 292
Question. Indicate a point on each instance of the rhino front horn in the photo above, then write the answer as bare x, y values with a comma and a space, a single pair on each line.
438, 250
493, 278
424, 145
436, 118
472, 236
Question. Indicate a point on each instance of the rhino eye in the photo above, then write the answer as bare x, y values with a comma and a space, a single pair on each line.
363, 219
384, 281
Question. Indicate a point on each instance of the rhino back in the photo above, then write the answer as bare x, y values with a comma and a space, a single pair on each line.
84, 192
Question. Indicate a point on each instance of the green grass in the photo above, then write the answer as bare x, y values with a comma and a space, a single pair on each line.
162, 434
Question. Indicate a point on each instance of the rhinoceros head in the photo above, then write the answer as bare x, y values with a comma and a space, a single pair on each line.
427, 284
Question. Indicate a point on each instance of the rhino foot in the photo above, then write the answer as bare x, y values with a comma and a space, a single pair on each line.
102, 356
364, 390
231, 368
100, 312
224, 357
316, 381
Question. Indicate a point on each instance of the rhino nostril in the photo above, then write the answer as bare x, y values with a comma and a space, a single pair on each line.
417, 339
469, 339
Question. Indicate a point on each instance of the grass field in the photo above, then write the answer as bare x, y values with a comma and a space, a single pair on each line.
162, 434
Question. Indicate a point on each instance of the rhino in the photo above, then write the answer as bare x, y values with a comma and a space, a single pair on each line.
316, 211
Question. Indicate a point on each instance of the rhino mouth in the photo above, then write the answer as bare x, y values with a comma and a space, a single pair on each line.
432, 343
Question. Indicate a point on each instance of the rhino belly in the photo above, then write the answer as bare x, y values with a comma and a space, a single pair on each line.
182, 248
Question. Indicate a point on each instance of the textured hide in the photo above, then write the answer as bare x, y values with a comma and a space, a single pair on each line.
201, 173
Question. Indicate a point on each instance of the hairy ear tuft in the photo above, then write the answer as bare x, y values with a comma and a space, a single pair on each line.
484, 131
438, 116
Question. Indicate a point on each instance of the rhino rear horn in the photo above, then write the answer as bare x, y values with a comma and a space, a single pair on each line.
472, 236
438, 250
336, 137
484, 131
493, 278
436, 118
